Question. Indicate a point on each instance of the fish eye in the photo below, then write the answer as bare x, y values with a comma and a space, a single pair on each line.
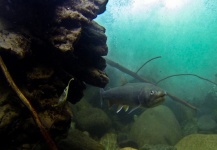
152, 93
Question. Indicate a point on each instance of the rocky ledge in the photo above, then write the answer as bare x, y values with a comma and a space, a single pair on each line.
45, 43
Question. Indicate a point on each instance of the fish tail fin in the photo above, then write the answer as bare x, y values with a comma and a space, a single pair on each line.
101, 91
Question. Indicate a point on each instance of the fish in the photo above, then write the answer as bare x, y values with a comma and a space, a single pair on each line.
64, 95
134, 95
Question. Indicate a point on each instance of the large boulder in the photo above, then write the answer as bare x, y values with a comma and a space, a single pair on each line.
79, 141
198, 142
93, 120
128, 148
206, 123
109, 141
157, 147
156, 126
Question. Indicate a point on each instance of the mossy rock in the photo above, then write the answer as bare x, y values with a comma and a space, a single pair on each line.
156, 125
128, 148
77, 140
198, 142
157, 147
109, 141
93, 120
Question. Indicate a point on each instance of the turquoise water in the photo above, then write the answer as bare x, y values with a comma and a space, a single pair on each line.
183, 32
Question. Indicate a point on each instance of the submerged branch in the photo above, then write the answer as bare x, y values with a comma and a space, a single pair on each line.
125, 70
188, 74
26, 102
147, 62
181, 101
133, 74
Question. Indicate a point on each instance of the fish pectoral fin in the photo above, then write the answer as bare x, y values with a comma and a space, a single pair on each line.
134, 108
126, 108
119, 108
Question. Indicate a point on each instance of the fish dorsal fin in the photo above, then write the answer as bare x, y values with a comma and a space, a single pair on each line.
134, 108
126, 108
119, 108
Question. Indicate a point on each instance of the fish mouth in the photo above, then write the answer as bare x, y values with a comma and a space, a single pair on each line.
160, 98
157, 101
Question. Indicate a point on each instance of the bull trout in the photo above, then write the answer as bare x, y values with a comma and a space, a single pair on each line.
134, 95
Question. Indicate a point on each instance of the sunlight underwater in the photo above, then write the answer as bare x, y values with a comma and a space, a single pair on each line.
183, 33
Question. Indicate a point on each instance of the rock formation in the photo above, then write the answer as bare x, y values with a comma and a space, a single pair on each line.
93, 120
156, 125
45, 43
197, 142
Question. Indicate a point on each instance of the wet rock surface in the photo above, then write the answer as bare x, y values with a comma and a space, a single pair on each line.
123, 140
93, 120
128, 148
79, 141
190, 127
197, 142
156, 126
109, 141
206, 123
157, 147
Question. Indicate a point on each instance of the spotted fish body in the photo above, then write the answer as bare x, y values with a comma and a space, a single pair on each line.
134, 95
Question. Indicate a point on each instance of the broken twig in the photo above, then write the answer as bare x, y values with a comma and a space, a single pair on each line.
147, 62
25, 101
189, 74
133, 74
181, 101
125, 70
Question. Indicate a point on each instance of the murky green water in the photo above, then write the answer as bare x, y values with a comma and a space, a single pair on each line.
183, 32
